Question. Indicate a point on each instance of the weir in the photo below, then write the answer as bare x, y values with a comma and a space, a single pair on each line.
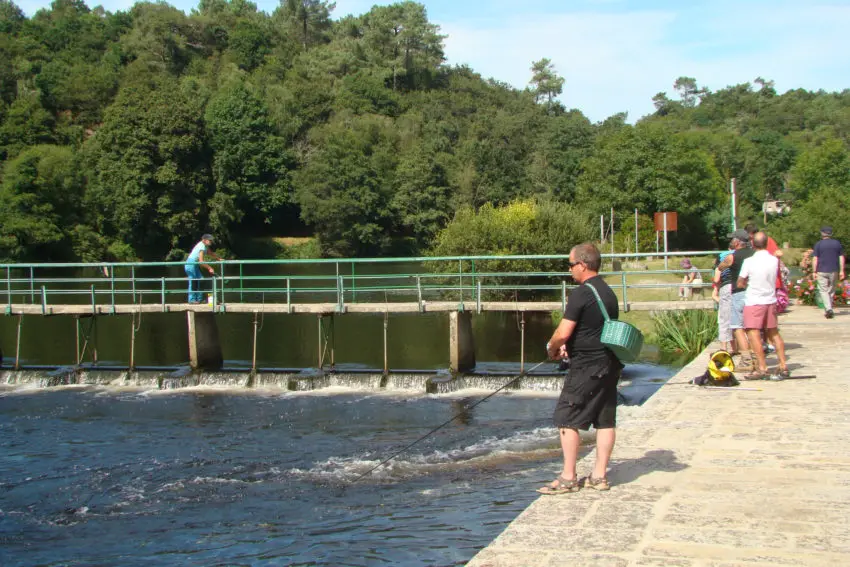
307, 380
459, 287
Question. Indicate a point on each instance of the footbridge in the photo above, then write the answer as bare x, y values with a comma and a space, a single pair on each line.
459, 286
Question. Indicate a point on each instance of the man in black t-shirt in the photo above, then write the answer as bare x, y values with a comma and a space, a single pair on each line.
734, 261
589, 394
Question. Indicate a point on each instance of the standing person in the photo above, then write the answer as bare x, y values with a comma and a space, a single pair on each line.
758, 278
722, 295
589, 394
734, 261
827, 263
199, 254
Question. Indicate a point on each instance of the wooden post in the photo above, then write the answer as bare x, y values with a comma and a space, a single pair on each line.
18, 344
386, 359
522, 344
254, 353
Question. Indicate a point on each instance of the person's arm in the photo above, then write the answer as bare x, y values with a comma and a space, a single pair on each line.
841, 265
727, 262
562, 334
744, 276
715, 285
202, 259
814, 264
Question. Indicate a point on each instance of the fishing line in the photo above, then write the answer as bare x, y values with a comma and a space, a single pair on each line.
448, 421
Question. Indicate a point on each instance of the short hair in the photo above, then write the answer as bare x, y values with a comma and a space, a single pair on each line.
760, 241
751, 228
589, 255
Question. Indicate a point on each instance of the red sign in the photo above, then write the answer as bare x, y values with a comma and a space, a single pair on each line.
671, 221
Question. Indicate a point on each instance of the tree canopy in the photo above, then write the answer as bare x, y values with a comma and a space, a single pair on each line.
126, 135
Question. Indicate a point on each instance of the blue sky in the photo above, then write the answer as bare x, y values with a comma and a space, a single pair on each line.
616, 54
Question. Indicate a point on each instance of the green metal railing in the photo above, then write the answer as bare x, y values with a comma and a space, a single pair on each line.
465, 279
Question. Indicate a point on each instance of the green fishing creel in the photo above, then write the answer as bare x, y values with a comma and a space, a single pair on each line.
624, 340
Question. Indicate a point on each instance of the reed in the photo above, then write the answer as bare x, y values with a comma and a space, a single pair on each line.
687, 331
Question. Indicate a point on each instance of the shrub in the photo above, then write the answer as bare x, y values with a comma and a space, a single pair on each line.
687, 331
805, 292
519, 228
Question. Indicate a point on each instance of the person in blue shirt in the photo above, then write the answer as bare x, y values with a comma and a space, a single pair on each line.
827, 263
199, 254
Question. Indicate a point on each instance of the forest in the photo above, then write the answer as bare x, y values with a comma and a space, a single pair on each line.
124, 136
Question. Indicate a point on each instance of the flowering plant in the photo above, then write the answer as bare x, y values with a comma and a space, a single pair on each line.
805, 291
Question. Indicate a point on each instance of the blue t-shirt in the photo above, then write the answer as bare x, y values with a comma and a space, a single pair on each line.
827, 251
195, 254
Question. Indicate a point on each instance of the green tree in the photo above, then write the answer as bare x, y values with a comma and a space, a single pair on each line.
826, 165
40, 199
27, 123
309, 20
250, 163
148, 178
345, 187
546, 84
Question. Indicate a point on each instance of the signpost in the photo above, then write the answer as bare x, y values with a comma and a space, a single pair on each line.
666, 222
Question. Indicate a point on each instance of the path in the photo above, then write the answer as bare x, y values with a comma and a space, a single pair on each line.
714, 477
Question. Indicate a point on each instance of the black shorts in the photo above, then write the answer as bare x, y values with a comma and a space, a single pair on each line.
589, 397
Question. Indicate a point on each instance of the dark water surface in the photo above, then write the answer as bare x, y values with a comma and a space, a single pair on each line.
94, 476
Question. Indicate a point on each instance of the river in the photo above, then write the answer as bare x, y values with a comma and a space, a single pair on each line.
235, 476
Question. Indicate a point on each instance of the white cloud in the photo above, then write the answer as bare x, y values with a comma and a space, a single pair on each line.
617, 62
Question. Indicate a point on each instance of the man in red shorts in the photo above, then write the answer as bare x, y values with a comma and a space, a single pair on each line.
758, 276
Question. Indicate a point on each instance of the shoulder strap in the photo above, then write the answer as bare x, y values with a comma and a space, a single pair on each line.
599, 300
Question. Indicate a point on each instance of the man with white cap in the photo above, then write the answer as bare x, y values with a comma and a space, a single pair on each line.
827, 263
199, 254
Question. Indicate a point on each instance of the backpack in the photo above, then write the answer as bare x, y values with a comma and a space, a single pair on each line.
719, 371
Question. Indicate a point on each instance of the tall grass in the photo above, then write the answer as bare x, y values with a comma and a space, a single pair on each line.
687, 331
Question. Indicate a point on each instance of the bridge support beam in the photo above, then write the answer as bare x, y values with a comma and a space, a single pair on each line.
204, 344
461, 345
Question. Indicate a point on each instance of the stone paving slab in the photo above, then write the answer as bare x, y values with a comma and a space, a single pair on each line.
714, 478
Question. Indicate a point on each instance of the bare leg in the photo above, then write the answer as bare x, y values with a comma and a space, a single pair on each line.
755, 345
776, 340
604, 447
742, 344
569, 444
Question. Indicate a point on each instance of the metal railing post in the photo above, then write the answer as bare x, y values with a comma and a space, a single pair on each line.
563, 295
43, 300
18, 342
162, 292
625, 294
241, 284
419, 292
9, 290
133, 283
288, 296
340, 294
112, 283
478, 297
32, 285
93, 304
221, 265
214, 292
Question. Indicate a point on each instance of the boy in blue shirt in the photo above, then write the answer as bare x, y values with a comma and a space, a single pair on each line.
199, 254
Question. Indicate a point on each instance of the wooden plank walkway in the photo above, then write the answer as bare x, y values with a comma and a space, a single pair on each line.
716, 478
330, 308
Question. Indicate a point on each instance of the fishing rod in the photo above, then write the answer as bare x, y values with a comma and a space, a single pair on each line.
448, 421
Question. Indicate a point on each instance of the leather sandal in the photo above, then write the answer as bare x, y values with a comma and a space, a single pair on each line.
562, 486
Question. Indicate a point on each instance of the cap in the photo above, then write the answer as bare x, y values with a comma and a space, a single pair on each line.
685, 263
827, 230
209, 237
740, 234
